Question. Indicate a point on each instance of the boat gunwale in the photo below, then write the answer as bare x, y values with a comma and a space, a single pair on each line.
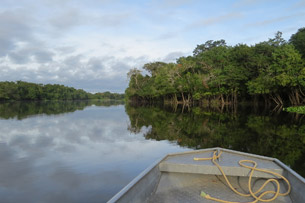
131, 184
292, 172
134, 181
225, 150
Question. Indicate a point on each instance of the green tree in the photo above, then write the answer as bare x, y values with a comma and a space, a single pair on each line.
298, 41
216, 73
208, 45
153, 68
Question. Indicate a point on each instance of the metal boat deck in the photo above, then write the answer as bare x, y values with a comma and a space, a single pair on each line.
175, 187
185, 163
178, 178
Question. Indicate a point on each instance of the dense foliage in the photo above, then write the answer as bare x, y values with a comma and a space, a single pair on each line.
108, 96
30, 91
249, 130
272, 71
295, 109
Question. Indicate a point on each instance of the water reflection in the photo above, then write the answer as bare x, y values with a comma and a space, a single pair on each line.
86, 152
281, 135
24, 109
84, 156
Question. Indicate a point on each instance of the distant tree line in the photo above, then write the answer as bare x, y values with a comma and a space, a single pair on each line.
272, 72
21, 90
108, 96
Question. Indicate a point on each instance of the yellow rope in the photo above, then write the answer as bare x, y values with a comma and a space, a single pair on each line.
251, 193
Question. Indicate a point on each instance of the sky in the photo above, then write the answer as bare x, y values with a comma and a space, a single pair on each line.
92, 44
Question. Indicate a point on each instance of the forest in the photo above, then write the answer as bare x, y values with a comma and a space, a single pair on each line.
20, 90
270, 72
280, 135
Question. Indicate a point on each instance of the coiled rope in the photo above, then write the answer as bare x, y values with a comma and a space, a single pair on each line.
251, 193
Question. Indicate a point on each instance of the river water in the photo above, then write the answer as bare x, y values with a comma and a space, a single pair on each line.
87, 151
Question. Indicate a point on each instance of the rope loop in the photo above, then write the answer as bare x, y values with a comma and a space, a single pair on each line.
251, 193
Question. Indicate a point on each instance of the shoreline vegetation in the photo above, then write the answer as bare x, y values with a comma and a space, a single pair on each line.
270, 73
295, 109
26, 91
250, 130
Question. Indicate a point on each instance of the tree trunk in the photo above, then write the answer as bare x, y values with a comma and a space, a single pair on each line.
222, 100
297, 97
292, 99
279, 99
274, 99
188, 98
266, 100
176, 99
235, 97
183, 99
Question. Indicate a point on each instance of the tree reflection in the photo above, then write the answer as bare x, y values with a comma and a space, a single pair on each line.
281, 136
24, 109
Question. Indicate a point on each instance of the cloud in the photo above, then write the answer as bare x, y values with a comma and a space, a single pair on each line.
243, 3
94, 74
67, 19
73, 61
65, 49
115, 84
73, 17
298, 5
107, 66
176, 3
215, 20
96, 64
251, 3
43, 55
14, 28
168, 35
173, 56
274, 20
20, 57
31, 53
113, 20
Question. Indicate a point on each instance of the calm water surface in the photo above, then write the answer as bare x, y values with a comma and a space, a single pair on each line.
88, 151
81, 156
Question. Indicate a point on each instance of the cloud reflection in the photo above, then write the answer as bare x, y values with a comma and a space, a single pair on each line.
84, 156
